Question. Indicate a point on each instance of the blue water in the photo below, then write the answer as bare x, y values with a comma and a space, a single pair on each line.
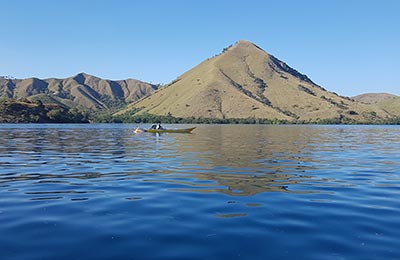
223, 192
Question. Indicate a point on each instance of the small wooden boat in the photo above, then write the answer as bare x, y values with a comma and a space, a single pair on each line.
183, 130
160, 131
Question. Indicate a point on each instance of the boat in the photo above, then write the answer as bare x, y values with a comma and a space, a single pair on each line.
161, 131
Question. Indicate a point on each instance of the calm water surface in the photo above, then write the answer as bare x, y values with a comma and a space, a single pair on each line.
223, 192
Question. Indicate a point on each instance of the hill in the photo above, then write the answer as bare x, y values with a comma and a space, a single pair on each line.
82, 91
371, 98
244, 81
387, 102
25, 111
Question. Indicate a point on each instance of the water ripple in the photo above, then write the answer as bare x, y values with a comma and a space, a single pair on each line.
223, 192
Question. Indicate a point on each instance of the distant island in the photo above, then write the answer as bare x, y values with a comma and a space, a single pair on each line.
242, 84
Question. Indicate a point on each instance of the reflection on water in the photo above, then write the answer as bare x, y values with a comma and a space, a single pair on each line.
235, 160
232, 160
222, 192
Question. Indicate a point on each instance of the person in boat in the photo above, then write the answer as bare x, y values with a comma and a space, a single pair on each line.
157, 126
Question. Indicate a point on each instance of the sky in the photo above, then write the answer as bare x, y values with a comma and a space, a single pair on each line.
346, 46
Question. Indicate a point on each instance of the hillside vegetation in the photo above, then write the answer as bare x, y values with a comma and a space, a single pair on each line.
25, 111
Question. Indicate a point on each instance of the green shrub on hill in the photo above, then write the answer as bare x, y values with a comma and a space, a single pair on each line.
25, 111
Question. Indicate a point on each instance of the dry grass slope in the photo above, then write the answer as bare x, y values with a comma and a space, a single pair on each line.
244, 81
371, 98
392, 106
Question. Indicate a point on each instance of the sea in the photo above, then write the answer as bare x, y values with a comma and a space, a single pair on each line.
100, 191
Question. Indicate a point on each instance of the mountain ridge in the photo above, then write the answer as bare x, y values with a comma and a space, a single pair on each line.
84, 91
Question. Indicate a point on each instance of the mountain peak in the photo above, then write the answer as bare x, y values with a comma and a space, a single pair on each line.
243, 42
242, 45
247, 44
83, 74
245, 49
82, 77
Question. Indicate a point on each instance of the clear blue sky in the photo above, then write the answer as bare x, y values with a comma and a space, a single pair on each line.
346, 46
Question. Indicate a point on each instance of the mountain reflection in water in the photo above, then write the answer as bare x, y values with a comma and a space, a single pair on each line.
235, 160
